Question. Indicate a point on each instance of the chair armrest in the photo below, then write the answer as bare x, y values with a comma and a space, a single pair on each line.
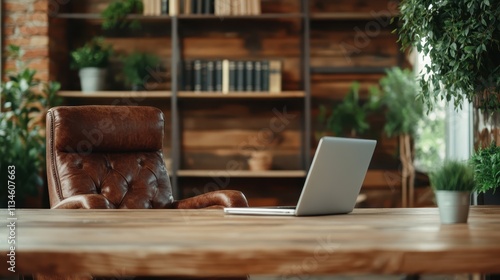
84, 201
215, 199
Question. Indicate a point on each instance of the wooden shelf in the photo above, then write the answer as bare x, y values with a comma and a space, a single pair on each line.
256, 17
350, 70
243, 173
94, 16
351, 16
241, 94
114, 94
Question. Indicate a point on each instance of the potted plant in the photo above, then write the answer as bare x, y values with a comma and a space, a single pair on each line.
138, 69
461, 39
486, 165
398, 97
92, 60
349, 117
115, 14
453, 183
22, 123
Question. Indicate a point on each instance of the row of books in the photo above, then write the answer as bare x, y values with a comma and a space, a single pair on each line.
198, 7
231, 75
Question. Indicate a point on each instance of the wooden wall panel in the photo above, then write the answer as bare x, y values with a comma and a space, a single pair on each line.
353, 6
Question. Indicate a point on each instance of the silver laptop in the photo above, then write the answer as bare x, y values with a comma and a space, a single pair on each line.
333, 182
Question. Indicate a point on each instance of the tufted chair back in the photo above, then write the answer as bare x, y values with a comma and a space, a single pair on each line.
111, 154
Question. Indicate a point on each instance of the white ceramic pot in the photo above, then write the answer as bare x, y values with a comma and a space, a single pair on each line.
92, 79
453, 206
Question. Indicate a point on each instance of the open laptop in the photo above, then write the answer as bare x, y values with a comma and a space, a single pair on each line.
333, 182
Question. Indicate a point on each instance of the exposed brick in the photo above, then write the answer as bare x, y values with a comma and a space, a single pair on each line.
43, 75
17, 41
39, 64
36, 53
39, 17
9, 65
15, 7
39, 41
26, 24
33, 30
11, 20
41, 6
8, 31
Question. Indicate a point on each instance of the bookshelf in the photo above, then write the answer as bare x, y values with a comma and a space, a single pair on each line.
206, 129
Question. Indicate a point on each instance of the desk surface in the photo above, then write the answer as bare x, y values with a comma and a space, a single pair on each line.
207, 242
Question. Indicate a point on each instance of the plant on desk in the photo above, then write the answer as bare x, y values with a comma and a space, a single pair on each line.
22, 123
453, 183
486, 164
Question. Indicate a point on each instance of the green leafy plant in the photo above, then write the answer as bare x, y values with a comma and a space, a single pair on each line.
398, 95
486, 164
348, 118
398, 98
94, 53
22, 142
453, 175
115, 14
138, 68
461, 38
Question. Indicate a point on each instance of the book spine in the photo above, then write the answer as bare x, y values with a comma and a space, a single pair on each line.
164, 7
173, 7
187, 7
232, 76
218, 75
204, 80
249, 79
275, 76
208, 7
157, 7
145, 7
197, 75
265, 75
194, 6
188, 76
240, 76
257, 81
225, 76
199, 7
210, 76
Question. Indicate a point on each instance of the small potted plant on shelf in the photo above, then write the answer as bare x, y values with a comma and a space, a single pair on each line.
22, 124
115, 14
453, 183
92, 60
139, 68
349, 117
486, 165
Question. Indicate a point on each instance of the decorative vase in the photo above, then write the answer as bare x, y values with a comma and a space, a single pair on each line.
260, 161
453, 206
92, 79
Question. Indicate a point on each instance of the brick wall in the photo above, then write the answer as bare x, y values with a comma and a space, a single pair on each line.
26, 24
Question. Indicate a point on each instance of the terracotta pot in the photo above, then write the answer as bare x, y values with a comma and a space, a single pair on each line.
260, 161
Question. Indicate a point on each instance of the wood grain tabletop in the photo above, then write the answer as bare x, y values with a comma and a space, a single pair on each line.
211, 243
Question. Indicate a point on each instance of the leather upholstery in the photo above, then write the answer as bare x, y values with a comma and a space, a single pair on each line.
111, 157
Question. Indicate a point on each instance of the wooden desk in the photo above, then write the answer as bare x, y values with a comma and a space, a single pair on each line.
207, 242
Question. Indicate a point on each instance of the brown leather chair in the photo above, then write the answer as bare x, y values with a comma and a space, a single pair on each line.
111, 157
